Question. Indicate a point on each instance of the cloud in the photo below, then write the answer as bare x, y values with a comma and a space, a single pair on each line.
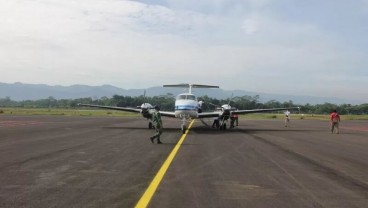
250, 26
252, 45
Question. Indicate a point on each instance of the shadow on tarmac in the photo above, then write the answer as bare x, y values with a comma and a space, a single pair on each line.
140, 128
209, 130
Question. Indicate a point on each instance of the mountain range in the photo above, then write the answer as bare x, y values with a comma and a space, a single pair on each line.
20, 91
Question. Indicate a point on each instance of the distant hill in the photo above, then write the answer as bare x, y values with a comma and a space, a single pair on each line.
19, 91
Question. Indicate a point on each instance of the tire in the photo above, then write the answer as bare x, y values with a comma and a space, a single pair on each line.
183, 129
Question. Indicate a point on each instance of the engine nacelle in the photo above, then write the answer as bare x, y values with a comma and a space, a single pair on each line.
146, 106
145, 110
225, 111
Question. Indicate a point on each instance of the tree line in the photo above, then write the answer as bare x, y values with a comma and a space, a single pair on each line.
166, 102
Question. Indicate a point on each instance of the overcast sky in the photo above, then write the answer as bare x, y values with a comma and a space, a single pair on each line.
309, 47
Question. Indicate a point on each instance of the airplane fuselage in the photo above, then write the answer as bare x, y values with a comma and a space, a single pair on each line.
186, 106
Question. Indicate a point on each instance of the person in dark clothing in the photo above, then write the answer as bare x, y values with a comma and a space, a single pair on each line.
157, 124
216, 123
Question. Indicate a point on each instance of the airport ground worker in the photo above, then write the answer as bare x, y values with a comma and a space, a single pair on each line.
334, 120
216, 123
287, 118
234, 119
157, 124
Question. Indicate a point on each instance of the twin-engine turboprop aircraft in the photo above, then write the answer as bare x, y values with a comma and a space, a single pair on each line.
188, 107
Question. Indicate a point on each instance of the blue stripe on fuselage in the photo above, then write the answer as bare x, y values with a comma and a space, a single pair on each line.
185, 107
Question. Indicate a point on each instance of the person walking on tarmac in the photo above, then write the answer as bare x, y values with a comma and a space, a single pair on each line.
287, 118
334, 120
157, 124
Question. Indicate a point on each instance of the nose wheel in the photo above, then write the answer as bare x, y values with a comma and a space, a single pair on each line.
183, 128
183, 122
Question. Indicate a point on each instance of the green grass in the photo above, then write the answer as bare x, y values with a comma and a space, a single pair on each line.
65, 112
299, 116
112, 113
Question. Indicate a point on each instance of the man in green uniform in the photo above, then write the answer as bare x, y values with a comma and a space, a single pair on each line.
157, 124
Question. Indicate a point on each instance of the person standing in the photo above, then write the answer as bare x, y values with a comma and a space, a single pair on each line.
236, 116
216, 123
234, 119
334, 120
287, 118
157, 124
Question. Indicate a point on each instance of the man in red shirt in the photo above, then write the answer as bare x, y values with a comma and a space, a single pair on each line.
334, 119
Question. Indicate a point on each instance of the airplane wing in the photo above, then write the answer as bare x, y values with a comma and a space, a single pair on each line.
238, 112
167, 113
134, 110
209, 114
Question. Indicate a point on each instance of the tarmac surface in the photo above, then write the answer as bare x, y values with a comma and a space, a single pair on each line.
62, 161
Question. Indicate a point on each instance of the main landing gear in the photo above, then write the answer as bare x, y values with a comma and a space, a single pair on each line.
223, 124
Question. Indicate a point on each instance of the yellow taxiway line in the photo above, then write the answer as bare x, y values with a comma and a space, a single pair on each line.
148, 194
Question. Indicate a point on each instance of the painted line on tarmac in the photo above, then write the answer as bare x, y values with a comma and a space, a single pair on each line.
150, 191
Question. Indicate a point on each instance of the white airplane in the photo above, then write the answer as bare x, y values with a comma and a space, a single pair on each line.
187, 107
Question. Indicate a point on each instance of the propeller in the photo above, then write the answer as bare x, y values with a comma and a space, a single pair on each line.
228, 106
145, 105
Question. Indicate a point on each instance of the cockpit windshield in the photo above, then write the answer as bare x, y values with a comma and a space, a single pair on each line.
186, 97
191, 97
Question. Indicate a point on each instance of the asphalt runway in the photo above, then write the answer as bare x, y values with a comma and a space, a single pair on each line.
61, 161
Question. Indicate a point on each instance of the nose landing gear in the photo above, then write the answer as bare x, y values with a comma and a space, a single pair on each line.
183, 122
183, 128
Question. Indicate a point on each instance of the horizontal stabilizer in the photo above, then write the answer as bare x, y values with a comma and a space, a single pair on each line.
192, 86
